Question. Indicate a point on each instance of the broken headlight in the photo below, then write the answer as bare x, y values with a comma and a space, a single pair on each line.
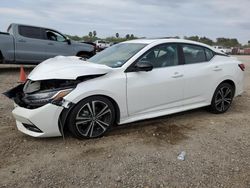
39, 93
34, 94
41, 98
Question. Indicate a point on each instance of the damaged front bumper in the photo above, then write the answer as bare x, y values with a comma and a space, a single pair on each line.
39, 122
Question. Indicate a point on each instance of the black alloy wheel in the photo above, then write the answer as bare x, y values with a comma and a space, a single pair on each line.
92, 117
222, 99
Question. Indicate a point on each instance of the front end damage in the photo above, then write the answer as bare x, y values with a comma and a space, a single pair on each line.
40, 107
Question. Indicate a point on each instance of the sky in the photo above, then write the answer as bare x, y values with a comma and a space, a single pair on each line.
143, 18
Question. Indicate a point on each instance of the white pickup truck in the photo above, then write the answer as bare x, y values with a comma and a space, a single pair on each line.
24, 44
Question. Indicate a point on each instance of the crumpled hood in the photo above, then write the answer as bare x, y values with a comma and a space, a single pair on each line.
71, 67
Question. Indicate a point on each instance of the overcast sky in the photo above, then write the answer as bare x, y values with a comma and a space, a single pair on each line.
149, 18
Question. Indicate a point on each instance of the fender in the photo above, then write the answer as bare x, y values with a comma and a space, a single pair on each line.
103, 87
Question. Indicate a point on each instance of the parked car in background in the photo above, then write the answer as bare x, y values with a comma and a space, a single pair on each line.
26, 44
224, 49
101, 45
91, 43
130, 81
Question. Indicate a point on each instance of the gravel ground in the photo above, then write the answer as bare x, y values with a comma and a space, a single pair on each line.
142, 154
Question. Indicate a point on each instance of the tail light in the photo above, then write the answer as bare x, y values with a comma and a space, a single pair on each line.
242, 66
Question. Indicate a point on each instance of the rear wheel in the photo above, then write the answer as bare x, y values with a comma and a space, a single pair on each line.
1, 57
92, 117
83, 55
222, 98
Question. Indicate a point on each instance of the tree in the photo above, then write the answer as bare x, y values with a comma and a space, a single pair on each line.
132, 36
193, 38
227, 42
94, 33
75, 37
90, 34
117, 35
206, 40
127, 36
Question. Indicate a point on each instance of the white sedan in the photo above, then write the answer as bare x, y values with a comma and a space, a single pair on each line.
127, 82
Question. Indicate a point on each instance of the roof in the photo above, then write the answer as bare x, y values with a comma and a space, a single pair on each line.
171, 40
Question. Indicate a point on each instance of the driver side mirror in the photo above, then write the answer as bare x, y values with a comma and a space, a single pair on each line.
68, 41
144, 66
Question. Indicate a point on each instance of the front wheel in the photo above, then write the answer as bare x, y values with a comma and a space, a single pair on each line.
91, 117
222, 98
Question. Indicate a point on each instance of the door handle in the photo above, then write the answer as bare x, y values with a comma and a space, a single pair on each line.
21, 40
50, 43
177, 75
217, 68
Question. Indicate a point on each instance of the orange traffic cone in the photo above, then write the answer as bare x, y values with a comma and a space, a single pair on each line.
23, 76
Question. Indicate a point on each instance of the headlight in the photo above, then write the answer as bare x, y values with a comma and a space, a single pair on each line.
42, 98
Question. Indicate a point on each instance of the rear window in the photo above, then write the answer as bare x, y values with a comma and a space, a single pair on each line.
209, 54
193, 54
30, 32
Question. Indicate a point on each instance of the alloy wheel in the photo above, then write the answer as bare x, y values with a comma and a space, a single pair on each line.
223, 98
93, 119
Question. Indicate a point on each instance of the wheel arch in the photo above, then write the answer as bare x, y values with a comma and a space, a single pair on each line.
65, 113
231, 82
225, 80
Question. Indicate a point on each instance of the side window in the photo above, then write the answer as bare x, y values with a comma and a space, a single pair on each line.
161, 56
52, 35
209, 54
193, 54
30, 32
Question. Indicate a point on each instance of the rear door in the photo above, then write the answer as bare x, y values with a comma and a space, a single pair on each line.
57, 44
199, 74
30, 44
159, 89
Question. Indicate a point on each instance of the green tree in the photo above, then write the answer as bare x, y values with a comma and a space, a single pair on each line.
227, 42
90, 34
94, 33
206, 40
75, 37
193, 38
127, 36
117, 35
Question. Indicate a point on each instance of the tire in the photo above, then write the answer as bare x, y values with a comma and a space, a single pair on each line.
222, 98
91, 118
1, 58
83, 55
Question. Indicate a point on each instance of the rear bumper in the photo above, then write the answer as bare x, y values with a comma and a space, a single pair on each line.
39, 122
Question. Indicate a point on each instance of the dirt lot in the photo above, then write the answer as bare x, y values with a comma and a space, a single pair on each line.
142, 154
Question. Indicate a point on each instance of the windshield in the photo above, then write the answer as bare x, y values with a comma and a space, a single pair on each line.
117, 55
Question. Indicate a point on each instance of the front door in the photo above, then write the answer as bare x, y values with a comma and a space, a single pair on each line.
57, 44
159, 89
